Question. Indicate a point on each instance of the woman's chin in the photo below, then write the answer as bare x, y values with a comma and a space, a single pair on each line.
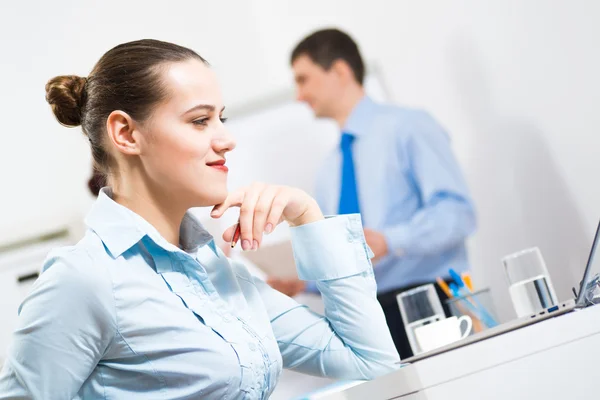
211, 199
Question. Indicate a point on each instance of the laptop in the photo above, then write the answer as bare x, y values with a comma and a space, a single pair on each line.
589, 294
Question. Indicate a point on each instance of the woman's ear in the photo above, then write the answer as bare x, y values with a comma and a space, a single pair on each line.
120, 128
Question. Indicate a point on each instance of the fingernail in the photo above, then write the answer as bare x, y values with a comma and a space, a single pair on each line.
246, 245
269, 228
255, 245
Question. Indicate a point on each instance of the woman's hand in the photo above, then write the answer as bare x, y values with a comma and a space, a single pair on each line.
263, 207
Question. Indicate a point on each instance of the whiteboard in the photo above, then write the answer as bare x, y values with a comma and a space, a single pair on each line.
279, 141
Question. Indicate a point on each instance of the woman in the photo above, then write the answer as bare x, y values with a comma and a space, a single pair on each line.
145, 305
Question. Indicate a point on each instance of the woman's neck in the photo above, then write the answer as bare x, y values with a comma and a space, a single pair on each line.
151, 205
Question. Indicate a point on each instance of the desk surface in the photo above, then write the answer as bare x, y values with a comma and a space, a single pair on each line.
484, 355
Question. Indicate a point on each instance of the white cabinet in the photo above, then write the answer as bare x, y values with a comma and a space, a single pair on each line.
18, 271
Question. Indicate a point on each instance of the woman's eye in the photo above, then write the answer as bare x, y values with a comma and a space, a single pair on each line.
201, 121
204, 121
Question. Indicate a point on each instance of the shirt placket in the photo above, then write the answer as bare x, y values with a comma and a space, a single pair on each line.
252, 354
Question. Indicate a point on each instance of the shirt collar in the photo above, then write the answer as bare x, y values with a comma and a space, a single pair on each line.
361, 117
119, 228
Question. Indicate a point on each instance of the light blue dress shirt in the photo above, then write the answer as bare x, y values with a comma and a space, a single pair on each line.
126, 315
410, 188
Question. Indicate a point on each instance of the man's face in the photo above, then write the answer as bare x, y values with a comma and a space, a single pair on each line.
321, 89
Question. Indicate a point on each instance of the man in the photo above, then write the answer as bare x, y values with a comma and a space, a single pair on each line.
394, 166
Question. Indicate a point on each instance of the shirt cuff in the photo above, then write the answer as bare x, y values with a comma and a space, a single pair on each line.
332, 248
397, 240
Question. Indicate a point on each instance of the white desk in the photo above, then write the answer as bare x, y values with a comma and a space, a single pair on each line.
553, 359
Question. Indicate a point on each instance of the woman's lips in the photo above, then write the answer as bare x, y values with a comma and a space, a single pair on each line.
219, 164
220, 167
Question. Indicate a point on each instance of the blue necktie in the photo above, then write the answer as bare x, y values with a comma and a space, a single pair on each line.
348, 192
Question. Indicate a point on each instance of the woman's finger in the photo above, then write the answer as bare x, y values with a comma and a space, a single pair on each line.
234, 199
247, 215
276, 213
261, 211
229, 232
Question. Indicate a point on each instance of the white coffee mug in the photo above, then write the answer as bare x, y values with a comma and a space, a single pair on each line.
442, 333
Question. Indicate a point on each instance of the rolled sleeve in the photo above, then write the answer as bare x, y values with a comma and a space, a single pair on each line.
331, 249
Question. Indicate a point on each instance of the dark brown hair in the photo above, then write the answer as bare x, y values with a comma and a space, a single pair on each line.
126, 78
96, 182
326, 46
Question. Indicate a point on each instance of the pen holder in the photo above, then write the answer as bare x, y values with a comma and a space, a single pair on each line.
477, 305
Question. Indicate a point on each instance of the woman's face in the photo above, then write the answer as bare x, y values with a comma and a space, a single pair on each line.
185, 141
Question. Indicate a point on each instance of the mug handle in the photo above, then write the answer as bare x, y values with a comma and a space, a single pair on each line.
469, 326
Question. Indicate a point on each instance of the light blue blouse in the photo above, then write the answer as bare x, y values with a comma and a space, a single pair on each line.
126, 315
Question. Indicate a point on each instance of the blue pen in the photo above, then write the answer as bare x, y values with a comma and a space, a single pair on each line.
461, 287
456, 277
454, 289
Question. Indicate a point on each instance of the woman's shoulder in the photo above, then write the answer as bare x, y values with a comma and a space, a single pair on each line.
80, 265
72, 288
71, 283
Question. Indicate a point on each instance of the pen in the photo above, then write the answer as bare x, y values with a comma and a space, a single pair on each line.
444, 287
236, 235
456, 278
454, 289
466, 277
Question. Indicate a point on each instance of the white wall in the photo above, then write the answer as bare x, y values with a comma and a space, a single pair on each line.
515, 82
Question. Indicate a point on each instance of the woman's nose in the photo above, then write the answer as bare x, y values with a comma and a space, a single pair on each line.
223, 142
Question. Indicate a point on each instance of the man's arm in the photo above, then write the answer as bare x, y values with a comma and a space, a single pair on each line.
447, 216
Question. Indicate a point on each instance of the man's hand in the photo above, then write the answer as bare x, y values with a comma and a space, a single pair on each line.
289, 287
377, 243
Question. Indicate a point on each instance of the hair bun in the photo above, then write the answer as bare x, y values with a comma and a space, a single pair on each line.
65, 95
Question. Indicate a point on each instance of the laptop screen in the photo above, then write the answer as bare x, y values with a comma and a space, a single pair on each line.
589, 291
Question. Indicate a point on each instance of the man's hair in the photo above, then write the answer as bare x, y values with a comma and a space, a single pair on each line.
326, 46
